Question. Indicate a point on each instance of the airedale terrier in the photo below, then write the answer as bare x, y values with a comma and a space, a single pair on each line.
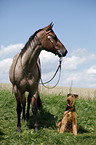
69, 121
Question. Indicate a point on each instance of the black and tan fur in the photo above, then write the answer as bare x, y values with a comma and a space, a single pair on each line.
69, 121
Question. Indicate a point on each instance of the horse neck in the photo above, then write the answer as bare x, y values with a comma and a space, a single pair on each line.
29, 58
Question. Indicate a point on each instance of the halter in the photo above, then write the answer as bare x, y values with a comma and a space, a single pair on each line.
46, 33
59, 66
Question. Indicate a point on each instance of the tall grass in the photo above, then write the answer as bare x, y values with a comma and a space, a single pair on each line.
53, 109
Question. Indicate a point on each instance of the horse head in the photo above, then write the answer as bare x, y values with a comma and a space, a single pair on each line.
50, 41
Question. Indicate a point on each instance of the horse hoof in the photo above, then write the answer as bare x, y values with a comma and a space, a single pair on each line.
18, 129
36, 129
23, 119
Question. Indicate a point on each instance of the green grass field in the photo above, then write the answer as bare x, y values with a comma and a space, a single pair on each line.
53, 109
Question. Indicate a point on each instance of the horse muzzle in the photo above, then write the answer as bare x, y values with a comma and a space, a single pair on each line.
61, 53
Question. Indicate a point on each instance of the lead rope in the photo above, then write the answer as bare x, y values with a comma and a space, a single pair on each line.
59, 67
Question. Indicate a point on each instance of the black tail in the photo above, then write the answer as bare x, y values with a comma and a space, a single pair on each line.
39, 103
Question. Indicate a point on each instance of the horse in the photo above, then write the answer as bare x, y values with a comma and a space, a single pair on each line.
25, 71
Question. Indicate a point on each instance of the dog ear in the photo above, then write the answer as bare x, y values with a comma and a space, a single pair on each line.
76, 96
68, 95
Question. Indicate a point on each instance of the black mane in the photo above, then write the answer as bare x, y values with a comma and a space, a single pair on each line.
28, 42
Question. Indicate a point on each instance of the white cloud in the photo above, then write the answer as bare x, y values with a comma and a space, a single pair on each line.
6, 57
80, 52
4, 70
10, 50
71, 63
92, 70
4, 64
49, 62
83, 53
45, 57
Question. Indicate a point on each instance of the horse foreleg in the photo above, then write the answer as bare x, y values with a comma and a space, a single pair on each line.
24, 104
28, 106
34, 110
19, 107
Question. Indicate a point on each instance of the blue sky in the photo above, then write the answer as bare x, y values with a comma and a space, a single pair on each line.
74, 24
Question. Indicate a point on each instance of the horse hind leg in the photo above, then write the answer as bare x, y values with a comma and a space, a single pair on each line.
28, 106
23, 104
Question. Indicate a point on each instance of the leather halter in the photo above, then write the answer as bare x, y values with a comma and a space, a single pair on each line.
60, 61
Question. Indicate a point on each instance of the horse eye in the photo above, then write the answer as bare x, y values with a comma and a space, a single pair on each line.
54, 37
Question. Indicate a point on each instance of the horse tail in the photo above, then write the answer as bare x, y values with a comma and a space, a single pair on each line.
39, 103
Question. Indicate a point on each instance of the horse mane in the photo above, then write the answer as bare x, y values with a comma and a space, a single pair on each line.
28, 42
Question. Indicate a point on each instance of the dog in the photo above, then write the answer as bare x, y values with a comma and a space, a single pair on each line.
69, 121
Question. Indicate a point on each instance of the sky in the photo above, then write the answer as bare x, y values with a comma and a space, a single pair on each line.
74, 24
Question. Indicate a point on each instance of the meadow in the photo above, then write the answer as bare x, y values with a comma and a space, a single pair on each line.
54, 104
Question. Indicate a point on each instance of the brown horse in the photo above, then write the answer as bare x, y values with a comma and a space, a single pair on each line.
25, 71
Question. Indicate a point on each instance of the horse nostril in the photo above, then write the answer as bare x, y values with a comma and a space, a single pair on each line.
62, 54
59, 53
65, 53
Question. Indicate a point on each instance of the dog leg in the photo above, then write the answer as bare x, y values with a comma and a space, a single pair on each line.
64, 122
74, 123
74, 129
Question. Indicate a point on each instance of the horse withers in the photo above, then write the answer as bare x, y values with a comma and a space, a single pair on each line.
25, 71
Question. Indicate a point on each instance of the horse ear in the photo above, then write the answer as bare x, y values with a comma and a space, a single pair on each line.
49, 26
52, 24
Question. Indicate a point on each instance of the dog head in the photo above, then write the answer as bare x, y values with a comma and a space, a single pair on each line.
71, 99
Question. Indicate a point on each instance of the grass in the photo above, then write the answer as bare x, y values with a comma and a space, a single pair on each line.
53, 109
